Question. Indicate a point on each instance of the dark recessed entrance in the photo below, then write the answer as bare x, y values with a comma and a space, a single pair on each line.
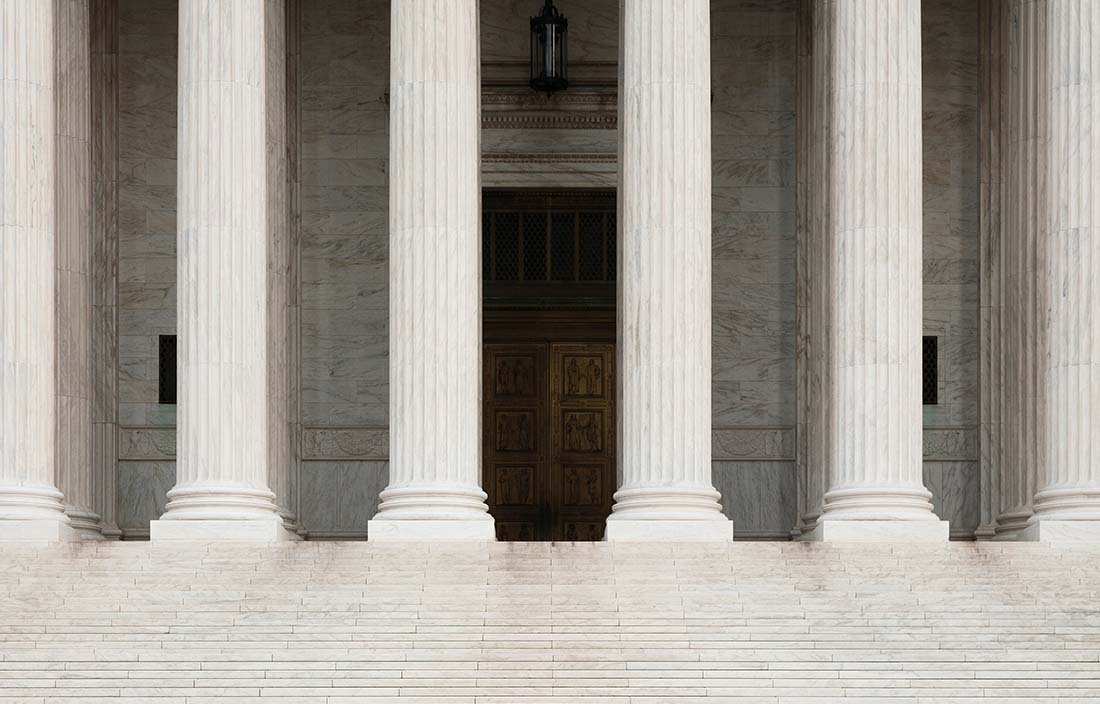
548, 446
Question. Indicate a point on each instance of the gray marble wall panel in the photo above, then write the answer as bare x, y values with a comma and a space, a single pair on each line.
951, 243
754, 75
344, 303
147, 204
143, 486
951, 254
955, 488
760, 497
338, 498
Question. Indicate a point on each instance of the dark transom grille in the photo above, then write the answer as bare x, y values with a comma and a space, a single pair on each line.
549, 237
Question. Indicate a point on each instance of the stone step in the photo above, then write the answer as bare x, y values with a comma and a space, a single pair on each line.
779, 623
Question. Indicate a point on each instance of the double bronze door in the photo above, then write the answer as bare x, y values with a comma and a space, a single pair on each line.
549, 439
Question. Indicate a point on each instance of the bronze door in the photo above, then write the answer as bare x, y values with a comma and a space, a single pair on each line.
582, 455
515, 446
549, 439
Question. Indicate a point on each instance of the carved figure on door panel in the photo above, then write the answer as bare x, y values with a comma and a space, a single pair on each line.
514, 432
514, 485
582, 486
515, 376
595, 378
584, 378
582, 432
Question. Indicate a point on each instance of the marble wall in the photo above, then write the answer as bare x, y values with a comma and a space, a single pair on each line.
344, 239
951, 248
146, 254
343, 297
754, 64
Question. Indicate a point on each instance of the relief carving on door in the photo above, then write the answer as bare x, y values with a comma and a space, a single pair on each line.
582, 431
549, 450
515, 376
514, 431
583, 376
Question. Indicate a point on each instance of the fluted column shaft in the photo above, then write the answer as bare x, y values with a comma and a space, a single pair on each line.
74, 265
665, 275
435, 277
29, 499
225, 243
874, 228
1025, 241
1070, 478
104, 98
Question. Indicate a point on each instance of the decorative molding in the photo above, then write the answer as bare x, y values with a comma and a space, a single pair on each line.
548, 158
147, 443
951, 444
549, 121
753, 444
346, 444
529, 111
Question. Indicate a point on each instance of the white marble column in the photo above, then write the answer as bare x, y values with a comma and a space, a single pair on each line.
105, 181
664, 317
874, 227
435, 278
814, 265
74, 265
225, 239
1024, 217
31, 506
1067, 505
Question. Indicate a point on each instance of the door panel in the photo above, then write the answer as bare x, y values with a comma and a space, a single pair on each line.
582, 455
549, 439
515, 444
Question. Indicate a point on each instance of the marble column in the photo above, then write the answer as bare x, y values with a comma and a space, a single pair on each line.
104, 97
874, 232
74, 265
814, 266
1067, 505
1024, 214
435, 278
665, 490
225, 241
993, 33
31, 507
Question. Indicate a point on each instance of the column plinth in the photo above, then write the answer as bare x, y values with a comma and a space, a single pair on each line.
226, 239
873, 97
664, 313
1067, 504
435, 278
31, 506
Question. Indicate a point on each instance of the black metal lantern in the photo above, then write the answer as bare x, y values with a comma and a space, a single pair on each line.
548, 50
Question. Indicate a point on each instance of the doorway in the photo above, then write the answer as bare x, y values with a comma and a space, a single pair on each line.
548, 387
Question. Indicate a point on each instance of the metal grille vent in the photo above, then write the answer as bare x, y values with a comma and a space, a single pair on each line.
539, 238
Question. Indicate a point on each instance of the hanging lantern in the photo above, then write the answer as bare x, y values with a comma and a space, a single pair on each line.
548, 51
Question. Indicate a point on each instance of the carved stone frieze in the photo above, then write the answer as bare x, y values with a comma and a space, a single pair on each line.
146, 443
345, 444
752, 444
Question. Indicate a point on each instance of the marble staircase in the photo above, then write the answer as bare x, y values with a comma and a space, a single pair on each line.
521, 623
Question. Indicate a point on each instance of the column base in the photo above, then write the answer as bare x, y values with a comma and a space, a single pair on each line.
420, 530
36, 530
1055, 531
842, 531
251, 530
668, 530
